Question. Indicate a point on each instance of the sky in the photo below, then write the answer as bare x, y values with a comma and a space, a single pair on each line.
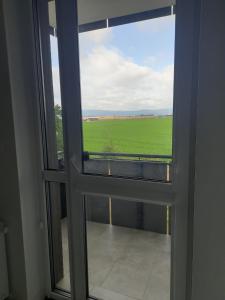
128, 67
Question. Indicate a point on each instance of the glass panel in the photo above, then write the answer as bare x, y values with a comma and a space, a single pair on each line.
129, 249
53, 106
59, 236
127, 98
57, 98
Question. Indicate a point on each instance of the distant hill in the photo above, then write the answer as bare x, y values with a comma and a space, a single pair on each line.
145, 112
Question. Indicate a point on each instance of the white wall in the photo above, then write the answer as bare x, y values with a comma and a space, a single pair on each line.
20, 191
209, 207
10, 212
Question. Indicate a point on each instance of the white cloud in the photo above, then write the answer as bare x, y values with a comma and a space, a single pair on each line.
90, 39
111, 81
157, 25
99, 36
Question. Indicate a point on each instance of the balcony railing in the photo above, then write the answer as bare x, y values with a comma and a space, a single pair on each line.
118, 155
129, 165
140, 166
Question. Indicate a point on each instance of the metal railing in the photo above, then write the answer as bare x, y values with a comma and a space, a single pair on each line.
113, 155
87, 155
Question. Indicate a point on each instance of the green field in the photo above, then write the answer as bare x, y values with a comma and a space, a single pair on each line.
151, 135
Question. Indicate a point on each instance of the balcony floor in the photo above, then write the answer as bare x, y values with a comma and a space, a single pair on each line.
124, 263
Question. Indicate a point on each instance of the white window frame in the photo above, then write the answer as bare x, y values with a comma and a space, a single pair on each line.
178, 193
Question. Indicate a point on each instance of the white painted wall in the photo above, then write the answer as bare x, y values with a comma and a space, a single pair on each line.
20, 192
10, 212
209, 206
20, 176
4, 282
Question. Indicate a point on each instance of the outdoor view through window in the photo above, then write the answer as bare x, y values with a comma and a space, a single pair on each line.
126, 74
127, 96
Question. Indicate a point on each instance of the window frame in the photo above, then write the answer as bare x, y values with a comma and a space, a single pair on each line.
177, 193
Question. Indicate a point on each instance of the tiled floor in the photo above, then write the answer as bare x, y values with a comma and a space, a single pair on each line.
124, 263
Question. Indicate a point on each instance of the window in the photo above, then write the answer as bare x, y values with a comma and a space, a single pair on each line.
127, 95
129, 249
53, 146
121, 144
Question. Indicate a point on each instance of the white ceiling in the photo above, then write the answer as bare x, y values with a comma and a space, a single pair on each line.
95, 10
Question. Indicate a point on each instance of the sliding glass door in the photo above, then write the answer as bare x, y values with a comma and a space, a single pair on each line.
117, 135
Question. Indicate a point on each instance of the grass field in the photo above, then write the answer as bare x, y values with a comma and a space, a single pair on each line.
151, 135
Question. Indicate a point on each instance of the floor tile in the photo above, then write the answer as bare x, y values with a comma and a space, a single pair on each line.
127, 279
158, 288
104, 294
124, 263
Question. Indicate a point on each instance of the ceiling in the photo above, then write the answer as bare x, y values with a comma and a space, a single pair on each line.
95, 10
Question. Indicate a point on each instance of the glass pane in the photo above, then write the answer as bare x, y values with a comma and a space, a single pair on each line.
127, 98
52, 105
59, 236
129, 249
57, 98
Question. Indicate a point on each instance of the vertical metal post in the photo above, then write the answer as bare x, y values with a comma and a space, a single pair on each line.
67, 31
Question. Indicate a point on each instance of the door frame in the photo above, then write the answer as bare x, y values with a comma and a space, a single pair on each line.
178, 193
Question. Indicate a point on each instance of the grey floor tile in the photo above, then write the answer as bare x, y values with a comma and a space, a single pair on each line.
158, 288
104, 294
105, 249
98, 270
95, 230
117, 234
127, 279
124, 263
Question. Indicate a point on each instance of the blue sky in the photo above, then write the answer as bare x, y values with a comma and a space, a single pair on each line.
139, 41
126, 67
